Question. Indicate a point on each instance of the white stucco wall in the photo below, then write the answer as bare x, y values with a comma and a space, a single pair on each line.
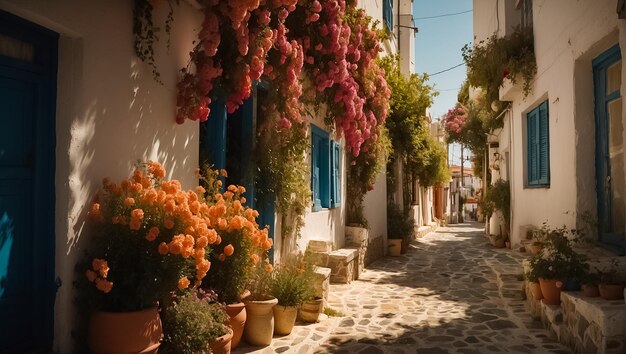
568, 35
110, 113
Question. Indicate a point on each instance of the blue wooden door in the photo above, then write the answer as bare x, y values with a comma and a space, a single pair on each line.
610, 178
27, 105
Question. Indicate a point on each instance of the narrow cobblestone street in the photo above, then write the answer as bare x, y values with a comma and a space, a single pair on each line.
450, 293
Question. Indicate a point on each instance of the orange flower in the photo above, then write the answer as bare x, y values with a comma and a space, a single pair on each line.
129, 201
232, 188
183, 283
163, 248
212, 237
94, 211
175, 247
199, 254
117, 219
137, 187
229, 250
156, 169
255, 258
268, 268
152, 234
169, 224
267, 244
91, 275
243, 200
241, 189
202, 242
135, 224
200, 190
104, 285
101, 266
224, 173
136, 214
222, 223
222, 257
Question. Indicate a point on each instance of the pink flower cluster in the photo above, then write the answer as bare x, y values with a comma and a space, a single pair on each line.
454, 120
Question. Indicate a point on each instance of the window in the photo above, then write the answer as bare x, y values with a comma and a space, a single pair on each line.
325, 170
527, 13
538, 145
388, 14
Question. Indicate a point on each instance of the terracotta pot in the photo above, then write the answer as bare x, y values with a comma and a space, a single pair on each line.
222, 345
590, 290
535, 290
236, 321
259, 327
125, 332
284, 319
395, 246
551, 292
310, 310
612, 291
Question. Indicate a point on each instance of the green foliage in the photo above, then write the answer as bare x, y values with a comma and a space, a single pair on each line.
260, 283
229, 277
498, 197
430, 165
362, 172
191, 322
332, 312
292, 281
558, 259
491, 61
399, 224
609, 274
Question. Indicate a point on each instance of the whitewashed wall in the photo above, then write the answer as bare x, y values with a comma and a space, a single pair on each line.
568, 35
110, 113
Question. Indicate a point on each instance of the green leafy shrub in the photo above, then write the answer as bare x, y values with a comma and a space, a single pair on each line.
192, 321
399, 224
292, 281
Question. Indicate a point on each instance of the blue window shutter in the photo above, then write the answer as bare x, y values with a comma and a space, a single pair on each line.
532, 147
336, 174
544, 145
324, 158
388, 14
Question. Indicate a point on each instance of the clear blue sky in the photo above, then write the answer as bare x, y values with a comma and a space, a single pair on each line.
438, 47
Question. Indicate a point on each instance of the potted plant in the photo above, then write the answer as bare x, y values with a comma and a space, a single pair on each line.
589, 284
233, 259
194, 322
142, 249
399, 229
611, 282
292, 285
533, 283
259, 327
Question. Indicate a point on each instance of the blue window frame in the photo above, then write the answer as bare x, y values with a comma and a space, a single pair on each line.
325, 170
538, 146
388, 14
335, 172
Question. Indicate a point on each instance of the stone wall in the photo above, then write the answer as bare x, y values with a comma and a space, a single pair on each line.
375, 250
358, 237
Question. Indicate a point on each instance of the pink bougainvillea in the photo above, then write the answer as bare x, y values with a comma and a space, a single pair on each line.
454, 120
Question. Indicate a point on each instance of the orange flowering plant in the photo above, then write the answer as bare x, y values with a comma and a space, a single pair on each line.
243, 243
150, 237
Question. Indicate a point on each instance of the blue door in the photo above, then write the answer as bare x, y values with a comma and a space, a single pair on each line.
27, 105
610, 178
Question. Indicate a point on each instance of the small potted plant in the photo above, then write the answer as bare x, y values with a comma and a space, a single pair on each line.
259, 327
399, 229
292, 285
194, 322
611, 282
589, 284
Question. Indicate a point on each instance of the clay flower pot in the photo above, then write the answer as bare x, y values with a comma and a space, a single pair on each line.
284, 319
222, 345
236, 321
535, 248
259, 327
590, 290
310, 310
551, 290
612, 291
535, 290
395, 246
125, 332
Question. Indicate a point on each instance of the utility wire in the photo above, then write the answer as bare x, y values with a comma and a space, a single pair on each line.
444, 15
448, 69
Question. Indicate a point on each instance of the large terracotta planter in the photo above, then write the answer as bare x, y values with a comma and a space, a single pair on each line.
395, 246
590, 290
310, 310
535, 290
259, 327
125, 332
612, 291
284, 319
551, 290
236, 321
222, 345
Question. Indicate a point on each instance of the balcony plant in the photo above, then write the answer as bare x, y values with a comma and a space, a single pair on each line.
611, 282
149, 238
193, 322
292, 285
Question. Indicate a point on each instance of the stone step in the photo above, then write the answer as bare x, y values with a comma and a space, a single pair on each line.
320, 246
322, 283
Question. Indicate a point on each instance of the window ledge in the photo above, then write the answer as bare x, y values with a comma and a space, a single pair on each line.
509, 91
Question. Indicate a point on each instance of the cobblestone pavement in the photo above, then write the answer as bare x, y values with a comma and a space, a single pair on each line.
450, 293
